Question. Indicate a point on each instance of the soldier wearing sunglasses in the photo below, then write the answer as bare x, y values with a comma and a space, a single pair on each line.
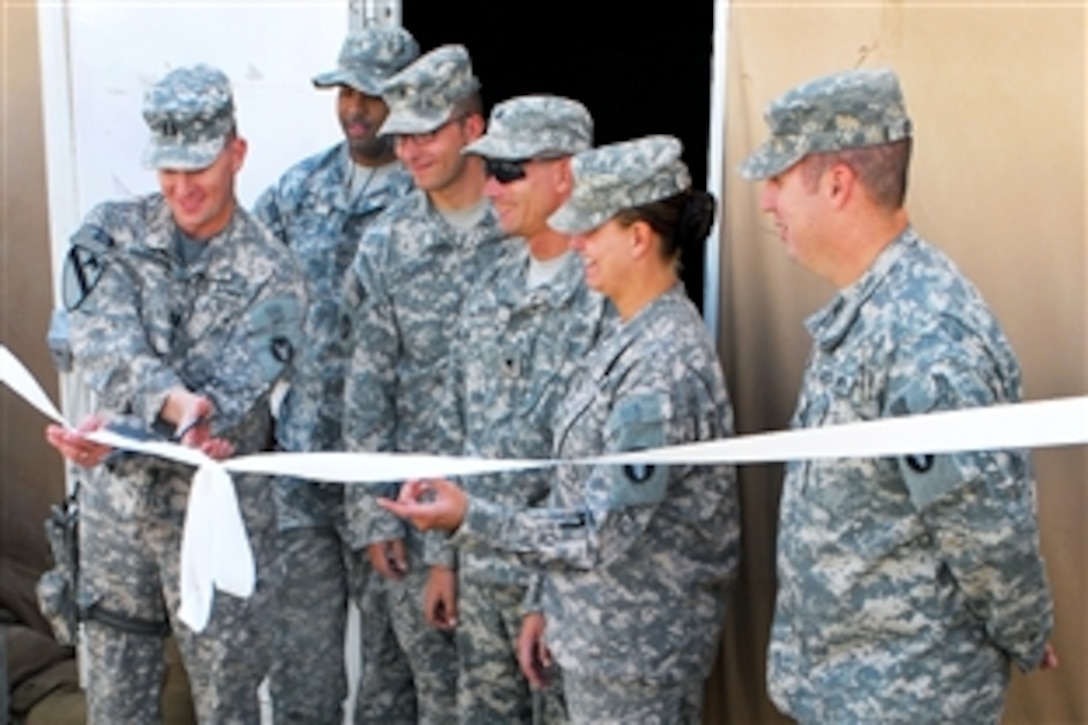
523, 329
413, 269
632, 563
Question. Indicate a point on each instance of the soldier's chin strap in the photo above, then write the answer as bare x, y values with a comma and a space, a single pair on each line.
215, 549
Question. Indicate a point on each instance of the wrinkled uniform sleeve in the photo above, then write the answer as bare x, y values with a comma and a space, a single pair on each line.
370, 386
619, 501
979, 507
109, 344
267, 210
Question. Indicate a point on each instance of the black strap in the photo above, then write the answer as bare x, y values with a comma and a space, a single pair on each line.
125, 623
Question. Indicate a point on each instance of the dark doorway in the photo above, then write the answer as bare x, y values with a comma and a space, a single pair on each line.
639, 72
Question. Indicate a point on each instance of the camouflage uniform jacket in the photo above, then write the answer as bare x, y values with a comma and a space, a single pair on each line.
635, 560
515, 354
311, 210
402, 300
226, 326
906, 585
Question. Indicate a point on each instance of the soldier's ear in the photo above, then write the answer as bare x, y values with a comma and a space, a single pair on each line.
642, 239
237, 148
474, 126
840, 183
564, 181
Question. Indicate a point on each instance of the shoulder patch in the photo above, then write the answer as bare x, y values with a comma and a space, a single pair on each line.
275, 329
84, 264
637, 424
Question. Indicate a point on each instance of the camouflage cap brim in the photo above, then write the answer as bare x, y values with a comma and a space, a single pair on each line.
535, 127
362, 82
620, 176
404, 121
776, 155
512, 150
572, 218
162, 154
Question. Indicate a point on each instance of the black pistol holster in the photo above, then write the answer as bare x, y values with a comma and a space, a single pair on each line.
58, 588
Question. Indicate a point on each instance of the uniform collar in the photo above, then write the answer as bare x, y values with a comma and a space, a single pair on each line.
831, 324
512, 291
338, 190
449, 235
626, 333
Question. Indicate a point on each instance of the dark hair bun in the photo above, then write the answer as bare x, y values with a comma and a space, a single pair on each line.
696, 218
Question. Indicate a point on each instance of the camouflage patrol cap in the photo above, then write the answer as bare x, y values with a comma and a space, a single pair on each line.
533, 127
609, 179
190, 112
369, 57
421, 97
846, 110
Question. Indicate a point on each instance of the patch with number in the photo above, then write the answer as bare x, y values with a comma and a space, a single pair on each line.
275, 328
637, 424
929, 477
84, 264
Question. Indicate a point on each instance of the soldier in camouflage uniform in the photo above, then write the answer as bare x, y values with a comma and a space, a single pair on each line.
907, 585
634, 561
188, 312
413, 269
525, 326
320, 208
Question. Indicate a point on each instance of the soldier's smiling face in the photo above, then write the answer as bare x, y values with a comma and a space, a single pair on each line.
361, 116
434, 158
605, 253
796, 208
524, 205
202, 201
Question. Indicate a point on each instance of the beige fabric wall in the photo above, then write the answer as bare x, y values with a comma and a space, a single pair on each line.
997, 94
30, 473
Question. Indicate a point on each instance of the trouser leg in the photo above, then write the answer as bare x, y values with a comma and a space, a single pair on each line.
307, 679
119, 574
228, 660
617, 701
431, 653
386, 693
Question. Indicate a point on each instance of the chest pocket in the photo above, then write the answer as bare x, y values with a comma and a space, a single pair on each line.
637, 424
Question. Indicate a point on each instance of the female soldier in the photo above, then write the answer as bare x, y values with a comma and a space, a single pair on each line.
633, 561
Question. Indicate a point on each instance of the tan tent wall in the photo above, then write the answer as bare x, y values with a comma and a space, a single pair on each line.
997, 94
30, 472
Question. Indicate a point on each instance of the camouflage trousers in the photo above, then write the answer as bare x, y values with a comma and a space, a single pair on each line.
308, 680
130, 544
431, 653
490, 685
596, 700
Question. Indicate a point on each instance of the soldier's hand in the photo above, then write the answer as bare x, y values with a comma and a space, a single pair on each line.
191, 414
440, 598
1050, 658
534, 658
388, 558
72, 445
432, 503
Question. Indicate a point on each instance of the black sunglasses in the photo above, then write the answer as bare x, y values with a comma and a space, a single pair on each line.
504, 170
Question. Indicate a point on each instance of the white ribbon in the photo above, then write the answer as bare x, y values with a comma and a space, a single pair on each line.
215, 551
